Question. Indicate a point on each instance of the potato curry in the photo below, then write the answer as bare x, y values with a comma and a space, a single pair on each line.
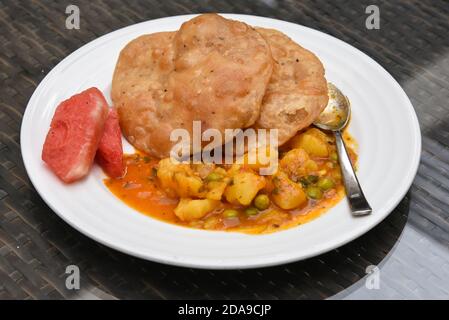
235, 197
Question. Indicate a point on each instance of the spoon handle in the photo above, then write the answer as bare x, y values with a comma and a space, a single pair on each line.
357, 201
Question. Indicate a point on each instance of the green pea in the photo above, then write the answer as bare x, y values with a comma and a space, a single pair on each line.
325, 183
230, 213
251, 211
312, 178
213, 176
262, 202
314, 193
304, 181
333, 156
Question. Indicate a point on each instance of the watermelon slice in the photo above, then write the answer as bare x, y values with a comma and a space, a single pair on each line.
74, 135
110, 151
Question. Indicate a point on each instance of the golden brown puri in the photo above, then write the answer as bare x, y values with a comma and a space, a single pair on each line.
213, 70
140, 93
223, 68
297, 91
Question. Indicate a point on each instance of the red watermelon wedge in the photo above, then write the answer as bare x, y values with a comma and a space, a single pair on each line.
110, 151
75, 132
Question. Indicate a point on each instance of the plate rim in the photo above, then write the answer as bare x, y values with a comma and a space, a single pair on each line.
405, 186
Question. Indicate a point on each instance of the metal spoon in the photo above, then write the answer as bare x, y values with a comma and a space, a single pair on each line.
334, 118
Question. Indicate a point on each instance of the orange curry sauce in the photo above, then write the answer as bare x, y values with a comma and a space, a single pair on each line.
140, 189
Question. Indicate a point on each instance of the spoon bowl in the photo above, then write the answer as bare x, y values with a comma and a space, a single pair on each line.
337, 113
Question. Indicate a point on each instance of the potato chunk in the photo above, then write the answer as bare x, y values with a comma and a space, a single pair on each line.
178, 179
188, 209
259, 158
244, 188
296, 163
293, 162
313, 141
188, 185
287, 194
166, 171
215, 189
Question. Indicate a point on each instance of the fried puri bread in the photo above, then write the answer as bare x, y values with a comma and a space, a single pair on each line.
297, 91
223, 68
140, 92
213, 70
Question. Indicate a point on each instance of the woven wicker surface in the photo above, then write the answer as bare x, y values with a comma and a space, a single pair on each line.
36, 245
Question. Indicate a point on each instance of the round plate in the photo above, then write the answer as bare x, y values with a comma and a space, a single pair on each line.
383, 122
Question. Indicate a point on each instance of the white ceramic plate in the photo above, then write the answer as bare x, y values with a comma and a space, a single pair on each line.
383, 122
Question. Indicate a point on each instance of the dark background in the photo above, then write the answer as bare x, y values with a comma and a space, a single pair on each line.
36, 245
